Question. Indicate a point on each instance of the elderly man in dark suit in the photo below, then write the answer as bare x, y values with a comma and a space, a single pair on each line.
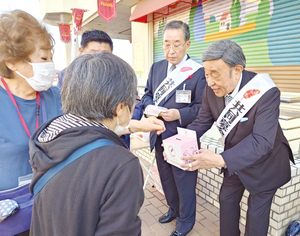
256, 155
178, 185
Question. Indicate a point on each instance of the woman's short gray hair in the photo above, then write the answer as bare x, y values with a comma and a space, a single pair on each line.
178, 24
94, 84
230, 52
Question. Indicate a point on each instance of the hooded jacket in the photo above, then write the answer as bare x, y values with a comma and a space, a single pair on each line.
98, 194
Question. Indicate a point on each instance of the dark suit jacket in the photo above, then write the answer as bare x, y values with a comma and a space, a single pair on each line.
188, 111
255, 149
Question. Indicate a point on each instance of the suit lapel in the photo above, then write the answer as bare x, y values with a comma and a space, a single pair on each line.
245, 79
164, 75
220, 104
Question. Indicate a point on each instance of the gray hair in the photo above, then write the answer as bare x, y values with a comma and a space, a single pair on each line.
178, 24
230, 52
94, 84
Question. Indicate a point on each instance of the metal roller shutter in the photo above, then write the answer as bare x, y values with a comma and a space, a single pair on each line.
267, 30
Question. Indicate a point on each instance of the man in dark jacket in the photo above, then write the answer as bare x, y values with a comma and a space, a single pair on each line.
92, 41
178, 185
245, 107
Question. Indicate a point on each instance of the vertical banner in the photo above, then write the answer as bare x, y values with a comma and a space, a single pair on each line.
107, 9
77, 23
77, 17
65, 33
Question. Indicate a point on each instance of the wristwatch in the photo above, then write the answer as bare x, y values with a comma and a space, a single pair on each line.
130, 131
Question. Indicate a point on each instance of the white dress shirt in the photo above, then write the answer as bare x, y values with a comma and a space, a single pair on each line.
169, 64
235, 91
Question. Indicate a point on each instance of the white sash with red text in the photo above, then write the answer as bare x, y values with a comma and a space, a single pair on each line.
175, 78
242, 103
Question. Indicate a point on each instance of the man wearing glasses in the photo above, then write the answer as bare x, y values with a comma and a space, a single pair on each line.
177, 84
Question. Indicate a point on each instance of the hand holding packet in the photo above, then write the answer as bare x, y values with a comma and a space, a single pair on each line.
182, 144
153, 110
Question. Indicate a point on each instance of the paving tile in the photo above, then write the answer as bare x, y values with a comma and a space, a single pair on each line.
200, 200
217, 223
146, 202
209, 225
199, 208
210, 207
148, 194
199, 216
193, 233
163, 209
150, 234
208, 215
159, 230
145, 229
156, 202
217, 233
142, 210
205, 232
149, 187
148, 218
164, 202
198, 226
153, 210
159, 195
169, 227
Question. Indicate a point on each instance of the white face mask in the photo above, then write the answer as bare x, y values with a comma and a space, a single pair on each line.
119, 129
43, 76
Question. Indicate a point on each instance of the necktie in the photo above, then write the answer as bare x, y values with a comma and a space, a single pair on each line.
228, 98
171, 69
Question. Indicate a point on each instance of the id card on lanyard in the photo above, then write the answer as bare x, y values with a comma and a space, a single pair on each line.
20, 115
183, 96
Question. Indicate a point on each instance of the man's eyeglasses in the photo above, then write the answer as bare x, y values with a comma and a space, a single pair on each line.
175, 47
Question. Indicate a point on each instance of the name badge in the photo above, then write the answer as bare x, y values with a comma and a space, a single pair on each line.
183, 96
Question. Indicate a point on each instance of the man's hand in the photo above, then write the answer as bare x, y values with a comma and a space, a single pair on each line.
206, 159
171, 115
147, 125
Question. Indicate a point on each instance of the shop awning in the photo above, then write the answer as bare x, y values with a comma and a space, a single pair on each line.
159, 8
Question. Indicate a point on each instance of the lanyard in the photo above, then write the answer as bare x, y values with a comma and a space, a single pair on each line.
20, 115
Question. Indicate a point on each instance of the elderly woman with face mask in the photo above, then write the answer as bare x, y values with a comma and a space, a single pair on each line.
100, 193
27, 98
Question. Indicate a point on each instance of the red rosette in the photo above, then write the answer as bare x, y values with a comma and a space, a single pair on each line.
250, 93
185, 68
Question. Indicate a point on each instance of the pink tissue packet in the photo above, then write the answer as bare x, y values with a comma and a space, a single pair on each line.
182, 144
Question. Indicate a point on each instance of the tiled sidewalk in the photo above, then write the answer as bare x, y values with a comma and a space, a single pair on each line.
207, 216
